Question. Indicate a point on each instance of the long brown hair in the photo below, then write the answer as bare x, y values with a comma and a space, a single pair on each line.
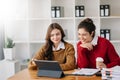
49, 43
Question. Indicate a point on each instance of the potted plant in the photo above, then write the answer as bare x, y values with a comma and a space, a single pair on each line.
9, 49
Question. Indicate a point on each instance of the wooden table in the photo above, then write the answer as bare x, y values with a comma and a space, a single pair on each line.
31, 75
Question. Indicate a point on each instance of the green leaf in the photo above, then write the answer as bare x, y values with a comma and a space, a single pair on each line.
9, 43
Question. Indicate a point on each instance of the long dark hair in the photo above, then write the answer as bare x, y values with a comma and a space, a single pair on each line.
88, 25
49, 43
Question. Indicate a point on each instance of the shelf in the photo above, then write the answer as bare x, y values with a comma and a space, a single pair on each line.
24, 63
27, 23
111, 17
63, 18
114, 6
115, 41
87, 17
19, 42
9, 68
39, 8
68, 6
113, 25
30, 19
40, 41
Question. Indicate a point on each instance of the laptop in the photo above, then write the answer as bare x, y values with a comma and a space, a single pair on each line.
49, 69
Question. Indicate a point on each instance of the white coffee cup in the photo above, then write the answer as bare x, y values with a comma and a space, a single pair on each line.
99, 60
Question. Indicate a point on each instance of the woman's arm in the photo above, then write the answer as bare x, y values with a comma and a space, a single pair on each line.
38, 56
70, 59
88, 46
113, 56
82, 59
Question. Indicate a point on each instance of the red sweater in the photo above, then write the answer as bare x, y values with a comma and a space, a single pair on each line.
104, 49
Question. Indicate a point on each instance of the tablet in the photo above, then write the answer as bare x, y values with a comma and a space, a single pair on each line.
49, 68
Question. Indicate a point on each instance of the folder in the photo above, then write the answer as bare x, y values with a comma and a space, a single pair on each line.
107, 10
107, 32
102, 10
53, 14
82, 11
102, 33
77, 11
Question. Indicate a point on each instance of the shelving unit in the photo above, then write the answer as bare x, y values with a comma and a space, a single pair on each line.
27, 24
8, 68
112, 22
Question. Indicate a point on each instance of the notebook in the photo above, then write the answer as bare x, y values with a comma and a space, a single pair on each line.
49, 68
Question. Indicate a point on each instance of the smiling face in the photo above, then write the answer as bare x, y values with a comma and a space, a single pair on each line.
55, 36
84, 35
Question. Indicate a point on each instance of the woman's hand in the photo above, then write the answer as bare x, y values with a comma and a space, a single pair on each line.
101, 65
89, 46
33, 62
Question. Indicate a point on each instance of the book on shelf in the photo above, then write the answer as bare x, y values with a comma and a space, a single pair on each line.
82, 11
101, 10
107, 10
104, 10
57, 11
79, 11
53, 12
105, 33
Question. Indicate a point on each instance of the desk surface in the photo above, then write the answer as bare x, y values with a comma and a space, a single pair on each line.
31, 75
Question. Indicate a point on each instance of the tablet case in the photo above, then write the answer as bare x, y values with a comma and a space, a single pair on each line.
49, 69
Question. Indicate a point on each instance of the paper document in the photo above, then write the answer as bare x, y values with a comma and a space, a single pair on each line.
116, 68
86, 71
115, 72
111, 73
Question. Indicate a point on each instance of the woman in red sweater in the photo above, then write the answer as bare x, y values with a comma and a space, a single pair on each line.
91, 46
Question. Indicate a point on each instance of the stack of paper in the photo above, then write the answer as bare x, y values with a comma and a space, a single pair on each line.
116, 73
113, 73
86, 71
